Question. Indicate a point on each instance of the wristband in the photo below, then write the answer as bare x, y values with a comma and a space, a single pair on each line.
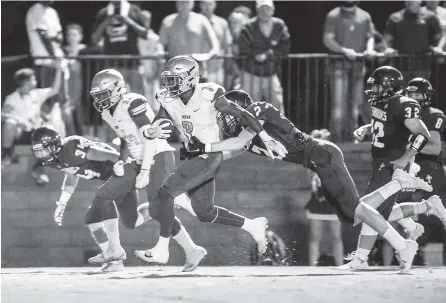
418, 143
208, 148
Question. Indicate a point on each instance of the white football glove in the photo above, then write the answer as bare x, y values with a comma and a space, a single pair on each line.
156, 130
118, 168
143, 179
273, 145
359, 134
59, 212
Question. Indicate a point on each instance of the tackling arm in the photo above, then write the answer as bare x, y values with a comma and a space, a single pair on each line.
419, 130
68, 187
97, 153
232, 144
433, 145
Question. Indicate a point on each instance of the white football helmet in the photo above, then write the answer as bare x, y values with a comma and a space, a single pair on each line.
107, 88
181, 74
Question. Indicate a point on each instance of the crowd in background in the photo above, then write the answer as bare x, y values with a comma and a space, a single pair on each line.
262, 39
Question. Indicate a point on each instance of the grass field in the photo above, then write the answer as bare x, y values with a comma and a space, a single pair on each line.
224, 284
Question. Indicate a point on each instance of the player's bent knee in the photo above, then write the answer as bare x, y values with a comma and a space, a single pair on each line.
107, 208
92, 216
208, 216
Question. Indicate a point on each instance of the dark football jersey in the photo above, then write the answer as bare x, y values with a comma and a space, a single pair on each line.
435, 120
390, 135
279, 128
73, 159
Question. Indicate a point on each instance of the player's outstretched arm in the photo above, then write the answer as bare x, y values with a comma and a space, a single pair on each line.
68, 187
98, 153
232, 144
433, 145
225, 106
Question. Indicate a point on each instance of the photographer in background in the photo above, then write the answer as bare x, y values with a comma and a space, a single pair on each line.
276, 252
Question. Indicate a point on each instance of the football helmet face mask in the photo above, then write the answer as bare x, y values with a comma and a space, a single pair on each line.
180, 74
107, 88
420, 90
46, 144
385, 82
231, 126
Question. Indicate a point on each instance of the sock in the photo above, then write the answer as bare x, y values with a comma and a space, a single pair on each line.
163, 243
362, 253
389, 189
225, 217
111, 227
394, 238
420, 208
103, 246
408, 224
184, 240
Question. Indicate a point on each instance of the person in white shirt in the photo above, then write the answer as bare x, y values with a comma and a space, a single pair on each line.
22, 113
150, 69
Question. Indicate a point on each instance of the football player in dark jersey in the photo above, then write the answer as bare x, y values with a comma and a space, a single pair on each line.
395, 119
430, 160
324, 158
79, 157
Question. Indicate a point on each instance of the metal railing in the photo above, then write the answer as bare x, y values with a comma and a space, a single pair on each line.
305, 78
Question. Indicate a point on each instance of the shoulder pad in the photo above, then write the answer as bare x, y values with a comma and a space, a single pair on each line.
433, 110
404, 99
211, 91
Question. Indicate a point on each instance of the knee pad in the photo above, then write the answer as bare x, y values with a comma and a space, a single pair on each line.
208, 216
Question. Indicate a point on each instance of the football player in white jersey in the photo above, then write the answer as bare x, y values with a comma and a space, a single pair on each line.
193, 108
128, 115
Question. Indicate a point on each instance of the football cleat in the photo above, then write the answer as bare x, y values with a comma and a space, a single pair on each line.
193, 258
414, 235
436, 208
258, 232
406, 256
153, 256
108, 267
109, 256
355, 263
409, 182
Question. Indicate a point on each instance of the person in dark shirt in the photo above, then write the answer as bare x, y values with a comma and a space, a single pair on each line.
120, 24
262, 41
417, 32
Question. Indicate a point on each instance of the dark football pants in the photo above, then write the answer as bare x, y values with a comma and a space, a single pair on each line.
327, 160
164, 166
196, 177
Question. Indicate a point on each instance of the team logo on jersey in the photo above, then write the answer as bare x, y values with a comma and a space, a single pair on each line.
379, 114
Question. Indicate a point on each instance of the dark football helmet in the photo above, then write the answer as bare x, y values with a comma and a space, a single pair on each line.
231, 125
46, 144
385, 82
420, 90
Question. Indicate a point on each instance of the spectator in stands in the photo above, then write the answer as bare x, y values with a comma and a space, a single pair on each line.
244, 10
151, 68
321, 216
189, 33
22, 113
236, 22
72, 111
45, 38
216, 67
120, 24
263, 40
349, 31
439, 12
414, 31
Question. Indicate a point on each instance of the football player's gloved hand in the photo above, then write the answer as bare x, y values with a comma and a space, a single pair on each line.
59, 212
143, 179
195, 145
273, 145
359, 134
118, 168
159, 129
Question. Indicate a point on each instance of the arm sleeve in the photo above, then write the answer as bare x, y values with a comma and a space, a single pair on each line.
137, 110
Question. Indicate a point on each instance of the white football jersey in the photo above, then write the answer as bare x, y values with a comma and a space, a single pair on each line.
199, 116
122, 123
